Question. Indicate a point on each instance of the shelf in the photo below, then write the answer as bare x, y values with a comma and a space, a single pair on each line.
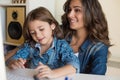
8, 43
5, 5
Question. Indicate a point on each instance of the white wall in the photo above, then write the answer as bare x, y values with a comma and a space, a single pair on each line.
59, 9
2, 63
112, 12
49, 4
2, 11
5, 1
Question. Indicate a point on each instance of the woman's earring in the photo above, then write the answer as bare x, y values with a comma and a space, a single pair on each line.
53, 28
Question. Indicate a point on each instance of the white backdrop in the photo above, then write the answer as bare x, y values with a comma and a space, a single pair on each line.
112, 12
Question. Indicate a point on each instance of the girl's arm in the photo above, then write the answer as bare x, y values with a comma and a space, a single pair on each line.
64, 71
10, 53
18, 59
45, 71
15, 64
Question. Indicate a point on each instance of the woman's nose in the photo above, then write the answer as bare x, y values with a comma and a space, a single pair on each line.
71, 14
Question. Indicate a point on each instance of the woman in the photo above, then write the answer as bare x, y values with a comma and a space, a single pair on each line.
86, 30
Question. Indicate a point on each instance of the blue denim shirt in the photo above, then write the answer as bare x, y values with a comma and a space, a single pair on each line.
58, 55
92, 57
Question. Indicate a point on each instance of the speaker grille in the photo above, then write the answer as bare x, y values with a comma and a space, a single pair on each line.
15, 30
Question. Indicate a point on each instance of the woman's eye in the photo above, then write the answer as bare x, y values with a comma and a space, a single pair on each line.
77, 10
69, 10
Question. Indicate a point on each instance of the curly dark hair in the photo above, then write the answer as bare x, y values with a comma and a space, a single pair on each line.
94, 21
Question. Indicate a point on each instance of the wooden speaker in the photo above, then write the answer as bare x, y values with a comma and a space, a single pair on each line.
15, 17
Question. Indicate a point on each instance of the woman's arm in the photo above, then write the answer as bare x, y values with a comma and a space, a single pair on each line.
99, 64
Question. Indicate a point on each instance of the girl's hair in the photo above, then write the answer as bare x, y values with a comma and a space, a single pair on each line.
94, 21
41, 14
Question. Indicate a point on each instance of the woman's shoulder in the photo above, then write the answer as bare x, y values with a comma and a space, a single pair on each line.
99, 48
94, 44
99, 45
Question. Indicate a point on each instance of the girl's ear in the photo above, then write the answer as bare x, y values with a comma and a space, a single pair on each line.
53, 26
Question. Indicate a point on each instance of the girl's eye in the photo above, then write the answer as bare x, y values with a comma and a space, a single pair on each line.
41, 29
32, 32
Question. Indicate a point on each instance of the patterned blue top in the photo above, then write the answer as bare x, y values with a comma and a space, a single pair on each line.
92, 57
58, 55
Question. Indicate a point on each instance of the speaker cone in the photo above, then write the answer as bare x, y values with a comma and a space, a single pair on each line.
14, 30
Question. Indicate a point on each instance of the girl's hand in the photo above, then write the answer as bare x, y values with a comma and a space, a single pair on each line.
44, 71
15, 64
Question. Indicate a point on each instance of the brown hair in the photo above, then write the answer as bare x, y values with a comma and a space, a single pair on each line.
41, 14
94, 21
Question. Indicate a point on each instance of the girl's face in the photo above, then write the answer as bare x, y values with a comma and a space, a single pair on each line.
75, 15
41, 31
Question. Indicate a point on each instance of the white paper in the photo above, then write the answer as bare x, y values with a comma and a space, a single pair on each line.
20, 74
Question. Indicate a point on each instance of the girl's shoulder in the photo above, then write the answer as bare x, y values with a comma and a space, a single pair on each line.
61, 42
24, 45
62, 45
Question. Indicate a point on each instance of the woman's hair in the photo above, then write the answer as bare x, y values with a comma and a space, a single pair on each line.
41, 14
94, 21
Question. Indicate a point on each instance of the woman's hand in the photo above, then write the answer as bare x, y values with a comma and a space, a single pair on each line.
44, 71
15, 64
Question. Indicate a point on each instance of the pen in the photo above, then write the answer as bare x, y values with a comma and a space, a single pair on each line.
66, 78
35, 78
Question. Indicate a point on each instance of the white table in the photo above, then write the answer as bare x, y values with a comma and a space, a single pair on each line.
27, 74
89, 77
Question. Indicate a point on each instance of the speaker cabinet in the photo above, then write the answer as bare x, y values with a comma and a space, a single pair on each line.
15, 18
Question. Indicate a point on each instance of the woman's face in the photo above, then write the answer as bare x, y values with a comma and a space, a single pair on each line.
75, 15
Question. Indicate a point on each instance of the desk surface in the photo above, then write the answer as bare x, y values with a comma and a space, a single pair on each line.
89, 77
27, 74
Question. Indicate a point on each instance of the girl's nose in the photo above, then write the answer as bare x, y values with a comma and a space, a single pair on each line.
38, 34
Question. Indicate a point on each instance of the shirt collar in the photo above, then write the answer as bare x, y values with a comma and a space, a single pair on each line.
86, 44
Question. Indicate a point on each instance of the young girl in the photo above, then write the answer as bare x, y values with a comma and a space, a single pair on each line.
44, 49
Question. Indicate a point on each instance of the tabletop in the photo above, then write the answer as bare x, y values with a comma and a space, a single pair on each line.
27, 74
